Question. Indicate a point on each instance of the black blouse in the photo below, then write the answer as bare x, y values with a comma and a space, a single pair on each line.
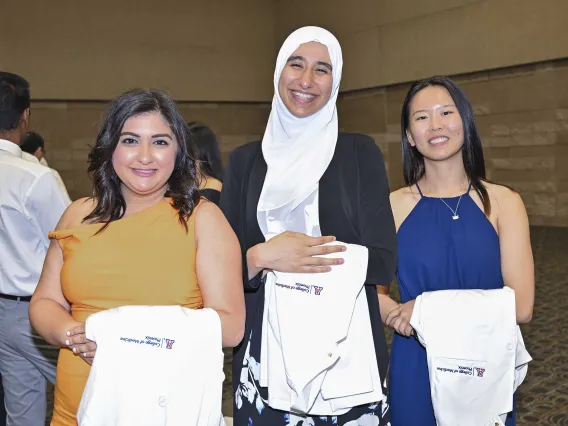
354, 207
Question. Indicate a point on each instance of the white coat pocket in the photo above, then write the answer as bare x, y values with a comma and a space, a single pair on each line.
456, 383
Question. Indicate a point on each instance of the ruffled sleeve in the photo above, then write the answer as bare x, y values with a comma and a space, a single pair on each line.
61, 236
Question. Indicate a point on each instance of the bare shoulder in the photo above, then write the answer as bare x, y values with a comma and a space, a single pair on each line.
208, 217
403, 201
404, 197
76, 212
505, 199
205, 209
403, 194
212, 226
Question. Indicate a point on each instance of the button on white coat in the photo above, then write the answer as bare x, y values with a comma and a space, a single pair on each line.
162, 401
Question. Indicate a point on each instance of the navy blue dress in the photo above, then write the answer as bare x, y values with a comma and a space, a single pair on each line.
436, 252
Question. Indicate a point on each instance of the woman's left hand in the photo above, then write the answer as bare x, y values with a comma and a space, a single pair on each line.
399, 319
77, 341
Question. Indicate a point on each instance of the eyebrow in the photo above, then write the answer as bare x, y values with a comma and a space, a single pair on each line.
301, 58
441, 106
159, 135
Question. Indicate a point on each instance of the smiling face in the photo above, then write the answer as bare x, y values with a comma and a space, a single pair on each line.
306, 81
435, 125
145, 156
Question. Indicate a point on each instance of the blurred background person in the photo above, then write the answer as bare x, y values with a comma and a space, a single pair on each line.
33, 149
205, 149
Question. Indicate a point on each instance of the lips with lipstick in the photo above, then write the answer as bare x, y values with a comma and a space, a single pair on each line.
144, 172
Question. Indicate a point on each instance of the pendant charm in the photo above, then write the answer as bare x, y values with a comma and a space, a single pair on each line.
455, 217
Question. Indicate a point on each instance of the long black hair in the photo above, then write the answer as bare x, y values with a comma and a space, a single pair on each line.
182, 184
205, 149
472, 152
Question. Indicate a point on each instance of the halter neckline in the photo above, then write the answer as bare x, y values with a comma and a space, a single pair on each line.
425, 196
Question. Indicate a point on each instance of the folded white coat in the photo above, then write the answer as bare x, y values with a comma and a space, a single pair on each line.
475, 351
318, 353
154, 365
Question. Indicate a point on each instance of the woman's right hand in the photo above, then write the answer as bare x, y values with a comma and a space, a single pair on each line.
399, 319
295, 252
81, 346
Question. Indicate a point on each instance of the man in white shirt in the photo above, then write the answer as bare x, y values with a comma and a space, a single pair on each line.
31, 204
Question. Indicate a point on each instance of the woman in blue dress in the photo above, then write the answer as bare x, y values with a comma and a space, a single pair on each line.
456, 230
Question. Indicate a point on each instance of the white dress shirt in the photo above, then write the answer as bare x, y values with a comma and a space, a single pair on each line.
43, 162
31, 204
475, 351
154, 366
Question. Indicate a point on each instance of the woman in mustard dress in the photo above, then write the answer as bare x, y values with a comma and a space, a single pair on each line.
144, 238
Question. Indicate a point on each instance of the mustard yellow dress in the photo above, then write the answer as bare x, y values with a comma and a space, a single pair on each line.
146, 258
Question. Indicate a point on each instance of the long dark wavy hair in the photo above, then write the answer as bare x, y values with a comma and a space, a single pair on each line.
472, 152
182, 184
205, 148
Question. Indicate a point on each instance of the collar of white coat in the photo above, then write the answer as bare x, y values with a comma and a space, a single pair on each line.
298, 150
10, 147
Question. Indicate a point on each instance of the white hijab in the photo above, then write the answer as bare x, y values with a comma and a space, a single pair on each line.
299, 150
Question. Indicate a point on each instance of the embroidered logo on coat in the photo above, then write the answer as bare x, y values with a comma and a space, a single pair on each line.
317, 290
479, 371
169, 343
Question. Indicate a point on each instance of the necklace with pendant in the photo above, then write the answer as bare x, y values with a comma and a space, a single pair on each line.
455, 215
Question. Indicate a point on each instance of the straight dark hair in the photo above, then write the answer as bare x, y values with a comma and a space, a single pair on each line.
472, 151
14, 100
205, 149
182, 184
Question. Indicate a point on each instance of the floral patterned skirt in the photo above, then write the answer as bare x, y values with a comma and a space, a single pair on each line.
251, 410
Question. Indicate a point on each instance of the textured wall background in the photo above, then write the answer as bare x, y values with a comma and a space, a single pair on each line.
216, 58
522, 114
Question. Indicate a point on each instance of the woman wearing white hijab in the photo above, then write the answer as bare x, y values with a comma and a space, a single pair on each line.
305, 166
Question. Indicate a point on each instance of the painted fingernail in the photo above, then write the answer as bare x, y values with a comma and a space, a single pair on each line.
84, 354
68, 333
67, 342
74, 350
341, 261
